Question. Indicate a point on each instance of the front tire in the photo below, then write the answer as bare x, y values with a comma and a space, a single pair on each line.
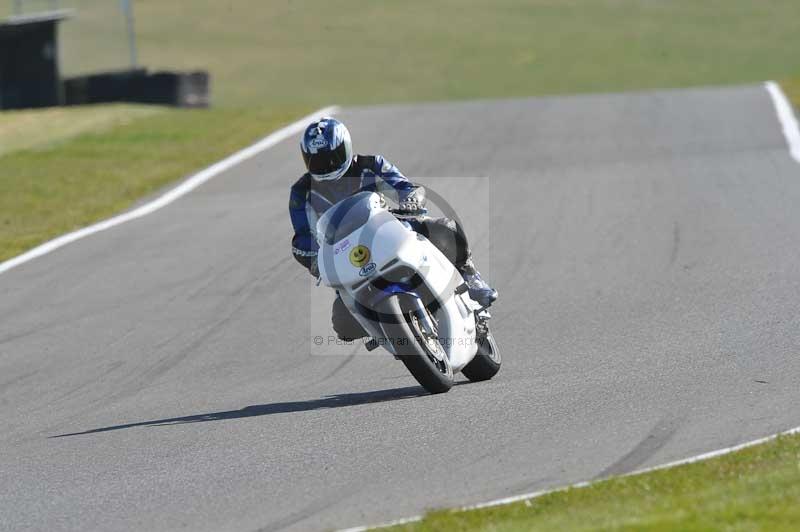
487, 361
422, 354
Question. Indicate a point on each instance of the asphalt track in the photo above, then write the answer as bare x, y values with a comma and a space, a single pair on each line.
161, 375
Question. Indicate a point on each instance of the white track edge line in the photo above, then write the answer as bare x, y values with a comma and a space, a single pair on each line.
586, 483
785, 112
173, 194
791, 131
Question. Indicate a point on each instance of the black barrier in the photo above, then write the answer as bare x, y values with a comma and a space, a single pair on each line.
181, 89
187, 89
102, 87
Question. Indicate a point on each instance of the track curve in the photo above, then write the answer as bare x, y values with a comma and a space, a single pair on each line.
646, 249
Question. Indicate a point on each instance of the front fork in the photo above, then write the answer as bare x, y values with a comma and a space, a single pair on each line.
428, 324
425, 318
482, 318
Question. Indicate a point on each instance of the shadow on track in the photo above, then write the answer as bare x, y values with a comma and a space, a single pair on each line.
331, 401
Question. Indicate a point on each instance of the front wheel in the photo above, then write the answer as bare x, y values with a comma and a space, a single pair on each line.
486, 363
417, 348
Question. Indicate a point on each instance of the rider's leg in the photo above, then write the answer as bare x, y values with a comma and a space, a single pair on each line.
448, 235
344, 324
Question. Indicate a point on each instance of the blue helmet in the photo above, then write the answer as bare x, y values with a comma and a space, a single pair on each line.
327, 149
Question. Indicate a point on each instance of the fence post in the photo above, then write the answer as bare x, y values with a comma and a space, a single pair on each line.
127, 8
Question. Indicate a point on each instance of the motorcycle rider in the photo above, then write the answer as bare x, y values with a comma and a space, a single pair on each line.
335, 173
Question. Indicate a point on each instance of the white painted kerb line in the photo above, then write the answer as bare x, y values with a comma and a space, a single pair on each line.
786, 117
181, 190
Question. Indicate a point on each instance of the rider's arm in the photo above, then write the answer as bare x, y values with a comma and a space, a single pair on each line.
304, 245
394, 184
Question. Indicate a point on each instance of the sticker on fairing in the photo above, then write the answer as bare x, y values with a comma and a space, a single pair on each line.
359, 256
341, 246
367, 270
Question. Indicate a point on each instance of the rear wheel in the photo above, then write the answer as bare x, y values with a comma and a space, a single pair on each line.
418, 348
486, 363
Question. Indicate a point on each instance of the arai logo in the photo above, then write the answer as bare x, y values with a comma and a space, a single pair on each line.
317, 142
367, 270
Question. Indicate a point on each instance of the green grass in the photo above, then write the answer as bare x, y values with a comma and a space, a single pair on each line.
792, 89
754, 489
272, 60
49, 191
44, 128
314, 52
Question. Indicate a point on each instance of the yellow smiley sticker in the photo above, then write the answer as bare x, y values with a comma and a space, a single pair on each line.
359, 256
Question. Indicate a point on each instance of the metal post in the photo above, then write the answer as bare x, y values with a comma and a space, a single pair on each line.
127, 9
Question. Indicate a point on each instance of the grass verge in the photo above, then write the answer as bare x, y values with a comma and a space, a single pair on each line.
753, 489
44, 128
50, 191
792, 89
314, 52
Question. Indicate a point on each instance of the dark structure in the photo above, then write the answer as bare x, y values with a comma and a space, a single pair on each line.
181, 89
30, 77
29, 73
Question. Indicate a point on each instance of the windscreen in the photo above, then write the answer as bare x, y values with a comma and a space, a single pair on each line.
346, 216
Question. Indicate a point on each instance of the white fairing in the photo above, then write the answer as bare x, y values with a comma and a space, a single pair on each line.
392, 247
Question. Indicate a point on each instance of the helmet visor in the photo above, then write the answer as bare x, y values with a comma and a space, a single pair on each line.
326, 162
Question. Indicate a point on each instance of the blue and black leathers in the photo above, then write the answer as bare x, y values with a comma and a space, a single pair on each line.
310, 198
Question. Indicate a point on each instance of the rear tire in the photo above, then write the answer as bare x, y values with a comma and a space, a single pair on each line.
424, 356
486, 363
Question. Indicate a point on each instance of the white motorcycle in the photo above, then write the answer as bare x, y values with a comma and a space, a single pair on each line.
404, 292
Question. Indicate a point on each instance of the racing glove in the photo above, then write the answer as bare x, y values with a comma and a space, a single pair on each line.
414, 201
